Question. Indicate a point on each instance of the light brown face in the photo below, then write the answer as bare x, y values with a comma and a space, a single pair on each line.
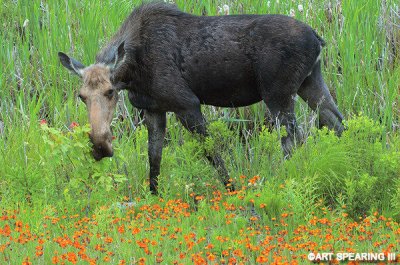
100, 98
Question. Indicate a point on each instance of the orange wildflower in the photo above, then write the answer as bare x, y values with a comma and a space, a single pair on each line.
262, 259
26, 261
108, 240
135, 230
72, 257
121, 229
209, 246
232, 260
39, 251
142, 261
55, 260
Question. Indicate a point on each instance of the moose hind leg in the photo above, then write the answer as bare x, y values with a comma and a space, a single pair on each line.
156, 123
314, 91
192, 119
282, 111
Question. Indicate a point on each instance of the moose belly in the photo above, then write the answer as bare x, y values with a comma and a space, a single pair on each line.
224, 83
229, 96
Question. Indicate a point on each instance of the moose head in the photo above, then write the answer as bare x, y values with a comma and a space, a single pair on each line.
100, 94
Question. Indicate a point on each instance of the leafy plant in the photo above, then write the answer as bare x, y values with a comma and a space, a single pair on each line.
70, 153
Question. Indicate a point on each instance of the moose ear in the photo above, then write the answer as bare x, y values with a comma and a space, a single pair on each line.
71, 64
119, 55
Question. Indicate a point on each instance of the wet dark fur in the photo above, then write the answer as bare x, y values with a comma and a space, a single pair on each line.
176, 61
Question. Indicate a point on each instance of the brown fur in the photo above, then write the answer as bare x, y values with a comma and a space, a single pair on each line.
96, 76
96, 85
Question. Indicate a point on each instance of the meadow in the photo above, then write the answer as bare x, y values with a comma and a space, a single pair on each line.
334, 194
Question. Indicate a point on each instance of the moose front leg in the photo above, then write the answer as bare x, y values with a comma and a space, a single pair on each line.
155, 122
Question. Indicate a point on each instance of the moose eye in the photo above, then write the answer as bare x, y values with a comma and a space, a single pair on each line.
83, 98
109, 93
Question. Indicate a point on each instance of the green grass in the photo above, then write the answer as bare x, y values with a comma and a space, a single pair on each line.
356, 174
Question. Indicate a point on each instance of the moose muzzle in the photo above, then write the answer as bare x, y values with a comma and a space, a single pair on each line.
102, 146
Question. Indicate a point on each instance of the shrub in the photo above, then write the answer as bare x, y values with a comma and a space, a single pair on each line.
359, 167
69, 154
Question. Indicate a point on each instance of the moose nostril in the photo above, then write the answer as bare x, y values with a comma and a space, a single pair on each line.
100, 152
102, 147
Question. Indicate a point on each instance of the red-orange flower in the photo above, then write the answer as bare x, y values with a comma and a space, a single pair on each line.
72, 257
55, 260
73, 125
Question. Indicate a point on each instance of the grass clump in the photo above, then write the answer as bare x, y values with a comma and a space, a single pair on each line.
359, 169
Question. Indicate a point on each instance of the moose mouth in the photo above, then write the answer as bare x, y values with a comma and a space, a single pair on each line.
102, 150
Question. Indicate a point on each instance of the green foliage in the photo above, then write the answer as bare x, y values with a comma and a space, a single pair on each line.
348, 167
74, 150
56, 166
189, 170
395, 201
24, 177
219, 138
360, 193
69, 153
267, 152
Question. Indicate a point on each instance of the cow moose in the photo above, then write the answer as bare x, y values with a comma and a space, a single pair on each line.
171, 61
